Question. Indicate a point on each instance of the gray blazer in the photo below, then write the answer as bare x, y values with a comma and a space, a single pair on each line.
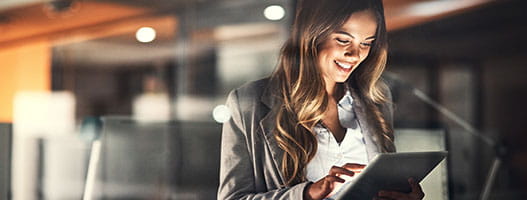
250, 156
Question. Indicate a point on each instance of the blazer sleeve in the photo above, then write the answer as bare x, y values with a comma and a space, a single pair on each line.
237, 176
388, 107
387, 110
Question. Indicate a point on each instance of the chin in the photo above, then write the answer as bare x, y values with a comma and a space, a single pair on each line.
342, 79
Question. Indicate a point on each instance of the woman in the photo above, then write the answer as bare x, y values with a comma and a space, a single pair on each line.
320, 117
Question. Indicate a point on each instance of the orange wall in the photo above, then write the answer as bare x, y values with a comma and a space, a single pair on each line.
25, 67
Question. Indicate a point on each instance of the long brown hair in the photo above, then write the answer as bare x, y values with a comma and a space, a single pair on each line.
302, 89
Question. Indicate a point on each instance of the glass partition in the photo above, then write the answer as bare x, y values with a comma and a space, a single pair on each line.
157, 72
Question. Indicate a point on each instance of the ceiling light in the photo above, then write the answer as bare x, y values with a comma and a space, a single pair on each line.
274, 12
145, 34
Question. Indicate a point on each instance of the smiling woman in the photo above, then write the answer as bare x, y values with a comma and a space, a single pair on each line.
320, 117
347, 48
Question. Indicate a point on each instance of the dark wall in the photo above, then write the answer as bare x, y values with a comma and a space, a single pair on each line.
504, 96
474, 64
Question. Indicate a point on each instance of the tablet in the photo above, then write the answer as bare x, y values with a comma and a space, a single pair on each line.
390, 171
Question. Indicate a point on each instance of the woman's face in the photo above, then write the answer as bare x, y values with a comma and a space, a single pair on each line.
347, 47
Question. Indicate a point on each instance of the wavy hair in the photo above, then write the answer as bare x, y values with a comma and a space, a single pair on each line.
302, 89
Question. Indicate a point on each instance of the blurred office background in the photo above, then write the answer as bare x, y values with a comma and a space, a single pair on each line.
122, 99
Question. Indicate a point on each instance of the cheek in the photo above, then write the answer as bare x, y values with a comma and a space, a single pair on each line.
322, 61
333, 53
364, 55
326, 56
329, 52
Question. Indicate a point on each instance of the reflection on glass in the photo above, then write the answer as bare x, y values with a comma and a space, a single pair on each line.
170, 90
154, 160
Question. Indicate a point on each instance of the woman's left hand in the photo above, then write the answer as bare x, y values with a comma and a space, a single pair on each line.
416, 194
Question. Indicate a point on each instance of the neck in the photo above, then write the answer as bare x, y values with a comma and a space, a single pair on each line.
334, 90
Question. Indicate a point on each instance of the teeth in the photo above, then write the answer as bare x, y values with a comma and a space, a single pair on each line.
343, 65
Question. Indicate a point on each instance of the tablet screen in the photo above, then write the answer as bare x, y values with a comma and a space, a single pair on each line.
390, 171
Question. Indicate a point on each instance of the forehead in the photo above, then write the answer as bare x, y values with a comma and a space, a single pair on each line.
362, 23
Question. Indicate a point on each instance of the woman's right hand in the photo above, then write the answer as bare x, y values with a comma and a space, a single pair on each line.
325, 186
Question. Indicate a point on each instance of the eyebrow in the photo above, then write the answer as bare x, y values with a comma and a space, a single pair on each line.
348, 34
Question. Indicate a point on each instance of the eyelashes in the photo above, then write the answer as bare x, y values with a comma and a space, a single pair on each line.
341, 41
345, 42
368, 44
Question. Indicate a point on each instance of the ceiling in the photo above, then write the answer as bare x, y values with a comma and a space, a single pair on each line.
484, 32
451, 26
26, 19
402, 14
39, 21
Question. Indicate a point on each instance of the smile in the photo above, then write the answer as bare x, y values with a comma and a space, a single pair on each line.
343, 65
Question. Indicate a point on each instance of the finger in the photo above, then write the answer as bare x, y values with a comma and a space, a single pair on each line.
392, 195
328, 184
332, 179
414, 184
356, 168
417, 191
353, 166
324, 186
336, 171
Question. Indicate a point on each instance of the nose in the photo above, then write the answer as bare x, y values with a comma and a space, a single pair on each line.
352, 53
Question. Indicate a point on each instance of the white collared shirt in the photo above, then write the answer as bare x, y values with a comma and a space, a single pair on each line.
352, 148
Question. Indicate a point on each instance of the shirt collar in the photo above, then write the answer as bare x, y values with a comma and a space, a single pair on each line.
346, 113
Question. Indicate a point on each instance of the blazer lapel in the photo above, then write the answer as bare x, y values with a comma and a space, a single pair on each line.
368, 133
267, 126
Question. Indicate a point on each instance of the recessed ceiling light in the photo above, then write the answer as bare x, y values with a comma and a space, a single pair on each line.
274, 12
145, 34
